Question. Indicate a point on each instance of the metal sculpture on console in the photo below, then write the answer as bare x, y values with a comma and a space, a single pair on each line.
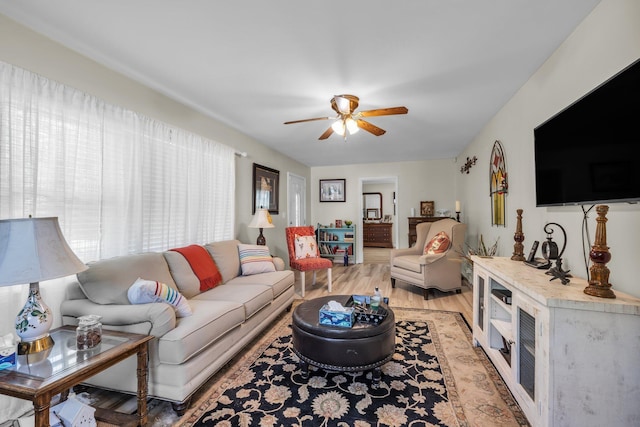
550, 253
599, 285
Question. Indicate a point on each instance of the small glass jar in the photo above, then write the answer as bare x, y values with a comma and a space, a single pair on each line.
88, 332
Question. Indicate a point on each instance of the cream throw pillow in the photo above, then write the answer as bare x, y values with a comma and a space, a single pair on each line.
306, 247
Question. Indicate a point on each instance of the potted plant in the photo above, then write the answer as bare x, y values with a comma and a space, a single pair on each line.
481, 250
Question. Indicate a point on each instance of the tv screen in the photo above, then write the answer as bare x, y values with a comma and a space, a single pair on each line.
588, 152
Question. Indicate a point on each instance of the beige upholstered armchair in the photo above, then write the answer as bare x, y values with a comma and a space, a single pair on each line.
440, 269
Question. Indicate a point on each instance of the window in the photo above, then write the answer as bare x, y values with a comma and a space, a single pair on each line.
119, 182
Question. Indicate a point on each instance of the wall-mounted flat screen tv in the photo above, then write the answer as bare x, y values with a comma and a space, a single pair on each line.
590, 152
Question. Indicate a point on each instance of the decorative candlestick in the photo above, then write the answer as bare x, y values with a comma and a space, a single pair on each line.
518, 247
458, 210
599, 285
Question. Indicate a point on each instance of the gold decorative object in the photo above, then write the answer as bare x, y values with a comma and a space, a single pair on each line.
599, 285
518, 247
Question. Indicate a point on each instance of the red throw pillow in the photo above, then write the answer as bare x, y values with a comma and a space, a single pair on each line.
438, 244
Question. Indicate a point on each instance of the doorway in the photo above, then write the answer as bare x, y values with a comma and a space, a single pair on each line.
388, 186
297, 200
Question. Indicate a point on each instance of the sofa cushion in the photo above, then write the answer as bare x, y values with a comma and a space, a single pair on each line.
255, 259
186, 280
107, 281
225, 254
147, 291
209, 322
438, 244
408, 262
252, 296
278, 281
305, 246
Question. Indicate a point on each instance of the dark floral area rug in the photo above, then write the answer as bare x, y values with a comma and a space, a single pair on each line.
436, 378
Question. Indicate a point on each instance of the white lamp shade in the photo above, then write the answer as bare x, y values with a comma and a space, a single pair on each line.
262, 219
342, 125
338, 127
352, 126
34, 250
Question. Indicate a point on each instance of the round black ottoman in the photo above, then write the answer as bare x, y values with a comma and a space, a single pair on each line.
360, 348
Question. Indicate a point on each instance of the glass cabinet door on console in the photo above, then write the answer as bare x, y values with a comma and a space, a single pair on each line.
526, 329
479, 301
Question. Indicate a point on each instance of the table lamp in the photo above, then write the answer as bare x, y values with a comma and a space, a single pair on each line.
33, 250
262, 219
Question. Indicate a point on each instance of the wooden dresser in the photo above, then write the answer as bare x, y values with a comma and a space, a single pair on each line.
377, 235
415, 220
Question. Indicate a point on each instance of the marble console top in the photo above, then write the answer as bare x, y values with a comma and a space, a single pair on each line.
552, 293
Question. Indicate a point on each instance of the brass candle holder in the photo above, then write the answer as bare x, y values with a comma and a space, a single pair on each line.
599, 255
518, 247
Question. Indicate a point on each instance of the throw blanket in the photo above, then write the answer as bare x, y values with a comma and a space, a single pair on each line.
202, 265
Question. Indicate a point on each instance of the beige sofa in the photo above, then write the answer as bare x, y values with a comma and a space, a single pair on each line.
186, 351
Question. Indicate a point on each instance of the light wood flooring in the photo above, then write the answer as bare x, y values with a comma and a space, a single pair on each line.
362, 279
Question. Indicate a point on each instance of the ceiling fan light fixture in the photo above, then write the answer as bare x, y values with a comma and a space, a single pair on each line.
341, 126
345, 106
338, 127
351, 125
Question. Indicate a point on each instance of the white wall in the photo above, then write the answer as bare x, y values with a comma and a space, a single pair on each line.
604, 43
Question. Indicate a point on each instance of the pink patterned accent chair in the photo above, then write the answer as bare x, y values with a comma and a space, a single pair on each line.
309, 263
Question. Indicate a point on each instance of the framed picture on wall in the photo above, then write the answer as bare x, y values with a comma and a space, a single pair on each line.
266, 182
333, 190
427, 208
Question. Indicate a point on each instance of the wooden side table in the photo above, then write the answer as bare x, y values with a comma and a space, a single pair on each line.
65, 367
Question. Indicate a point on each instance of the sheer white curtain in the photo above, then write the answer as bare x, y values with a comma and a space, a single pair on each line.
119, 182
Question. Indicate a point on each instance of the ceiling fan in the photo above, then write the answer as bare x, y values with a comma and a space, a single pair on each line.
348, 120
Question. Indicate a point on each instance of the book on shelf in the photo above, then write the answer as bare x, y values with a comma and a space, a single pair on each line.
328, 237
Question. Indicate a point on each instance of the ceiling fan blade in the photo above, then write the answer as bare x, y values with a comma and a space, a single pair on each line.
327, 133
308, 120
384, 112
370, 127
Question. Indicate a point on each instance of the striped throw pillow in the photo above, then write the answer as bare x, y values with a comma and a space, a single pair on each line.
255, 259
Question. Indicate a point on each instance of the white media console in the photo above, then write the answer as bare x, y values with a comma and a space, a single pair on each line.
568, 358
